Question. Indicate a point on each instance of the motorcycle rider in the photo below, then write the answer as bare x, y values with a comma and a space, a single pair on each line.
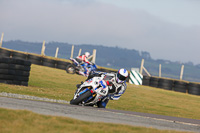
82, 59
116, 83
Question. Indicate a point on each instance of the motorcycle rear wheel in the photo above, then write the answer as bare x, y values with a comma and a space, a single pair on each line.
81, 98
70, 69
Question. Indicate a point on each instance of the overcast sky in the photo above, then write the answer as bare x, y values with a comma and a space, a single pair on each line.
167, 29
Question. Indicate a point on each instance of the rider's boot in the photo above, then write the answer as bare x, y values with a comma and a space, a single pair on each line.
78, 85
82, 73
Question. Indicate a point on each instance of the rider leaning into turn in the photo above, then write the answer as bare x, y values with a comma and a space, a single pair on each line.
116, 82
82, 59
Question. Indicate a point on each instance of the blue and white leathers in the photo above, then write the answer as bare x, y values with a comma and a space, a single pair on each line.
117, 89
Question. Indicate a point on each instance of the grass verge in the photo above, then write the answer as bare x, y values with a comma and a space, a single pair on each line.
21, 121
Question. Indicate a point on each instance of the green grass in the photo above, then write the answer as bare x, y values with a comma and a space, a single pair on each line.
57, 84
21, 121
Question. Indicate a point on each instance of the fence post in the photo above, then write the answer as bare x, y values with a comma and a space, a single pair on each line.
181, 74
79, 53
57, 49
72, 51
94, 56
1, 39
43, 49
147, 72
160, 70
142, 66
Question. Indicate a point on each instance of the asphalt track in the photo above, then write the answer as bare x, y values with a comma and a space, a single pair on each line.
103, 115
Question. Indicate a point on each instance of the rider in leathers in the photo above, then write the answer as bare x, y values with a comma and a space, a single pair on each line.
82, 59
117, 85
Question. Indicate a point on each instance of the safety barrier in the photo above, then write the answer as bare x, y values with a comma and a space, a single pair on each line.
34, 58
14, 71
135, 77
172, 84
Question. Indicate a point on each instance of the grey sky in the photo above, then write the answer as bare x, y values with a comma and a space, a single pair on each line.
168, 29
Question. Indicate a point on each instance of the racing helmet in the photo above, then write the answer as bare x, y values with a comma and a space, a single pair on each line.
87, 54
121, 75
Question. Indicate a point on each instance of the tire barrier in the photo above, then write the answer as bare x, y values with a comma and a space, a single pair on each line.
5, 53
166, 84
180, 86
14, 71
153, 81
62, 65
48, 62
39, 60
17, 55
42, 60
146, 80
194, 88
34, 59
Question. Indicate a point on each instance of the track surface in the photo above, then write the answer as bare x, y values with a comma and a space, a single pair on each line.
103, 115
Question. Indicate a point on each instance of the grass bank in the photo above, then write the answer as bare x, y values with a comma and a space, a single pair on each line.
17, 121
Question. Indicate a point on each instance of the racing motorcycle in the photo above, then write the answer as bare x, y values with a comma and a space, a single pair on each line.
90, 92
76, 67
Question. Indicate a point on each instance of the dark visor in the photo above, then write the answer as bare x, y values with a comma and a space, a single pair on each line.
121, 77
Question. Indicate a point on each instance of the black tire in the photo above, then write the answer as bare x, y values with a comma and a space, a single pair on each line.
17, 55
81, 98
6, 77
166, 84
20, 62
193, 91
48, 62
15, 72
154, 81
22, 67
191, 84
21, 78
5, 60
16, 82
22, 73
180, 86
34, 59
146, 80
180, 89
63, 67
194, 88
5, 53
37, 62
6, 81
7, 71
5, 66
70, 69
62, 64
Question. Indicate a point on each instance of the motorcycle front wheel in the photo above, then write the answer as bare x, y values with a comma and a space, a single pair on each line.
81, 98
70, 69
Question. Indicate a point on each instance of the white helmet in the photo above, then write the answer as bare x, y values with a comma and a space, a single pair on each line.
121, 76
87, 54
